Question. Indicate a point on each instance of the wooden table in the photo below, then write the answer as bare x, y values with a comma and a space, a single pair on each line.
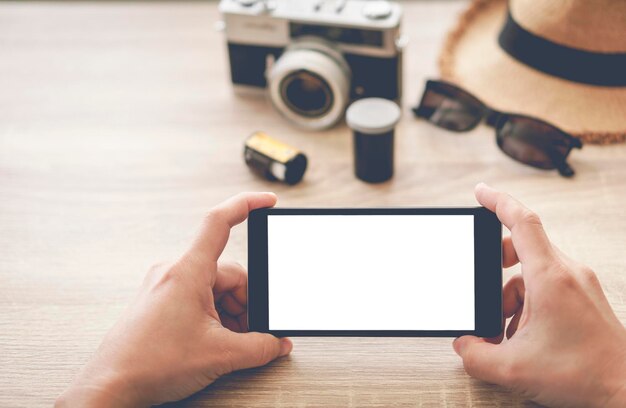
119, 129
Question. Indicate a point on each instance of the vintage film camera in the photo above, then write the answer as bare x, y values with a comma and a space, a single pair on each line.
315, 56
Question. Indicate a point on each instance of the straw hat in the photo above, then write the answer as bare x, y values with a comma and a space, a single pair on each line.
563, 61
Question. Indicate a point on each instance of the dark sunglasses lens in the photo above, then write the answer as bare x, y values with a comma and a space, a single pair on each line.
450, 108
533, 142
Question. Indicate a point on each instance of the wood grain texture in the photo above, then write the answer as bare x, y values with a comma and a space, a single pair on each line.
119, 129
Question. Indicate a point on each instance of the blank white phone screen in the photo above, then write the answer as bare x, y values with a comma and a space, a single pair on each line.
371, 272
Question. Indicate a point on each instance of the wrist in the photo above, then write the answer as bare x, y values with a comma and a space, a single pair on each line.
101, 392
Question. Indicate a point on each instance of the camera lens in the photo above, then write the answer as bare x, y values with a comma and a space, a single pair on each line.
310, 83
307, 93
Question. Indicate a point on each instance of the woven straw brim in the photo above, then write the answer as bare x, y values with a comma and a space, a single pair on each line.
472, 58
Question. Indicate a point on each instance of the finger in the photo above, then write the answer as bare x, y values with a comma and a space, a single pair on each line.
514, 323
509, 256
217, 224
231, 278
481, 359
513, 295
231, 306
497, 339
232, 323
243, 322
249, 350
528, 236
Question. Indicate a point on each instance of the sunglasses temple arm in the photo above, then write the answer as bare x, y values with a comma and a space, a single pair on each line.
562, 166
566, 170
420, 112
424, 112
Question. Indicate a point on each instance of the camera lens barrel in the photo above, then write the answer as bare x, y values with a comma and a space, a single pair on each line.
309, 84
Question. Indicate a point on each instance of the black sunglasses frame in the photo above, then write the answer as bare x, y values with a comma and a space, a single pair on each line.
497, 119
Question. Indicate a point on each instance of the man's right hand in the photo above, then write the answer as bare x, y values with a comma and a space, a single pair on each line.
566, 346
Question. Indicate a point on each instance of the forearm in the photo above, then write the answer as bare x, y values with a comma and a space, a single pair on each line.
89, 398
82, 397
103, 392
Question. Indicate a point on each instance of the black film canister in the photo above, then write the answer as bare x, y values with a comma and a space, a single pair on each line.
373, 121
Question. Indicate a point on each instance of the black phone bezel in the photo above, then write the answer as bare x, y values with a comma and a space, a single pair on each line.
487, 275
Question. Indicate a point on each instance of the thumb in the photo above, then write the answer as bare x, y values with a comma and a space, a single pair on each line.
483, 360
249, 350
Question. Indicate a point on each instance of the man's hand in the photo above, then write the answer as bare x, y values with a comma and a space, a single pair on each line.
565, 345
186, 328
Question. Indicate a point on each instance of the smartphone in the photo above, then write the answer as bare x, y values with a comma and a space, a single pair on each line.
403, 272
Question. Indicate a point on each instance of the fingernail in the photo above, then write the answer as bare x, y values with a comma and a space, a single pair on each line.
285, 346
271, 194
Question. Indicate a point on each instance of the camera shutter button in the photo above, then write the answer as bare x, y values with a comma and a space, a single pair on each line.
377, 10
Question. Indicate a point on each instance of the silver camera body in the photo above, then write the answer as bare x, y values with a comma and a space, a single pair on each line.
314, 56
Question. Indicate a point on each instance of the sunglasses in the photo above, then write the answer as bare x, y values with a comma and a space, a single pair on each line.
528, 140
